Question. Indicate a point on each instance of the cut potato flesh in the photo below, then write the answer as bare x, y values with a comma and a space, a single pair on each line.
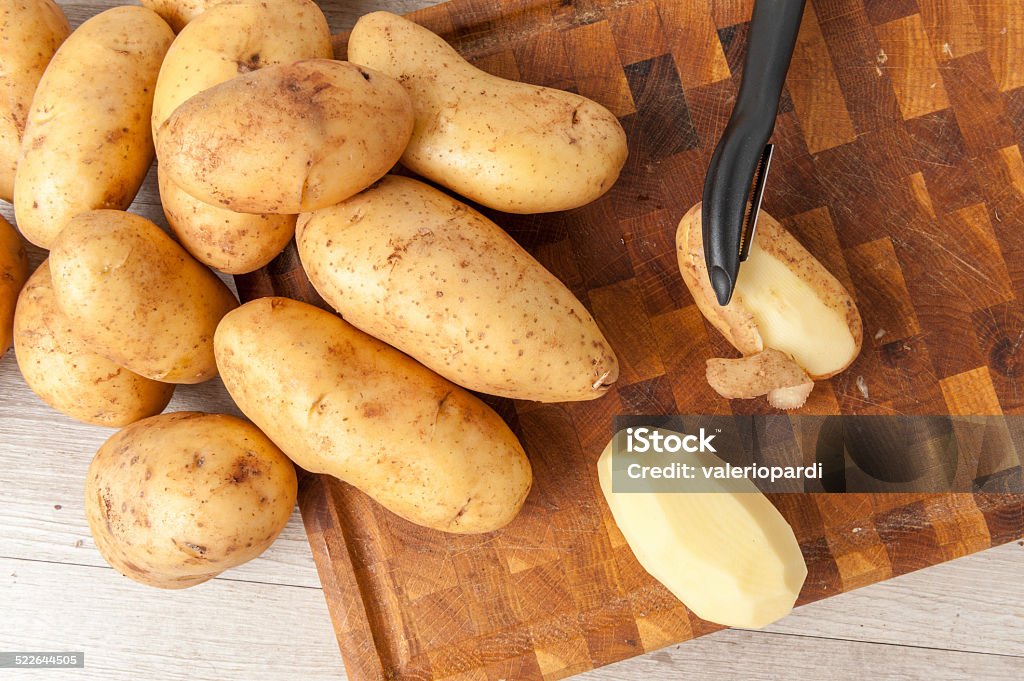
728, 555
769, 372
791, 396
792, 316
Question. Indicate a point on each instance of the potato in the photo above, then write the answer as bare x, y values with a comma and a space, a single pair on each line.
176, 499
225, 41
722, 548
235, 243
236, 38
512, 146
137, 298
287, 138
13, 272
67, 375
30, 32
178, 13
439, 281
339, 402
784, 299
87, 141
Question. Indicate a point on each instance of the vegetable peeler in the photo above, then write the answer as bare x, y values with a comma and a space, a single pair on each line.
734, 186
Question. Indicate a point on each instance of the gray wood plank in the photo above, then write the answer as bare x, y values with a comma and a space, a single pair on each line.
219, 631
43, 460
222, 631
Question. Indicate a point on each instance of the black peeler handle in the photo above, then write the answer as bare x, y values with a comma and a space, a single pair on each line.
772, 37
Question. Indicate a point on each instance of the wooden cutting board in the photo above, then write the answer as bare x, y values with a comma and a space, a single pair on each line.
897, 163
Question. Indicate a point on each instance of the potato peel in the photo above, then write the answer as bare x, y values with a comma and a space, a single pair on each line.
769, 372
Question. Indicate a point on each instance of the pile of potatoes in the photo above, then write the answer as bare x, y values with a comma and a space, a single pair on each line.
262, 136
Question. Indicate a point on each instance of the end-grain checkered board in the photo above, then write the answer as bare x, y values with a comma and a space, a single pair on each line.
897, 163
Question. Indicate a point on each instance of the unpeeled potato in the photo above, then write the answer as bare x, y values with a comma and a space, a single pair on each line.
287, 138
513, 146
439, 281
13, 273
235, 37
174, 500
178, 13
137, 298
30, 32
87, 141
234, 243
340, 402
61, 369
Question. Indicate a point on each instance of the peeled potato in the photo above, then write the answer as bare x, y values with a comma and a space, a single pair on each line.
784, 299
727, 554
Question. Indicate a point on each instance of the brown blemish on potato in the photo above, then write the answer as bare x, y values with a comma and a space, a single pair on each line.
245, 468
252, 63
462, 511
195, 552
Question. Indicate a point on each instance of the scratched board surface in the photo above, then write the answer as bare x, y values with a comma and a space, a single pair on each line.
897, 164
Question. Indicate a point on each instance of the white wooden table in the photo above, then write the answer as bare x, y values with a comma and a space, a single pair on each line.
268, 619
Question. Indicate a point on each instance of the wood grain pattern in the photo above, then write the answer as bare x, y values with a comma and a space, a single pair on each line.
894, 197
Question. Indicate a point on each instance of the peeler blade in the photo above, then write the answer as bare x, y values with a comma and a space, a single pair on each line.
754, 201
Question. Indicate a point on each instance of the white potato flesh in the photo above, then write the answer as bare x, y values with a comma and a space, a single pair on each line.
728, 554
792, 316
